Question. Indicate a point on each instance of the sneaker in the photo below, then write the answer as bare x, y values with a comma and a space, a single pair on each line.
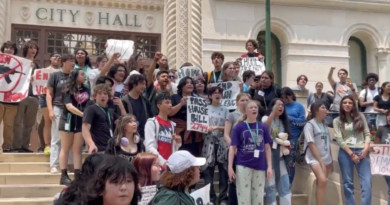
11, 150
47, 151
54, 170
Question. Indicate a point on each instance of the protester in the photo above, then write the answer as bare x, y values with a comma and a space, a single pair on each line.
148, 169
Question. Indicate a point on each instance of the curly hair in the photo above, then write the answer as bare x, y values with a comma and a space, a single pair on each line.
71, 85
114, 69
143, 163
178, 181
28, 45
253, 42
9, 44
102, 88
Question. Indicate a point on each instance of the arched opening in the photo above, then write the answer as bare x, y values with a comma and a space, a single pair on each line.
357, 60
276, 52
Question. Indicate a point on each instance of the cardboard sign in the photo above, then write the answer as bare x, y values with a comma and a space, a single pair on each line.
380, 159
190, 71
253, 64
41, 76
202, 196
197, 114
15, 74
124, 47
148, 192
230, 91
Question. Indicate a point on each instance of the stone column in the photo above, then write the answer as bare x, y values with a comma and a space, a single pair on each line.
4, 28
383, 65
183, 32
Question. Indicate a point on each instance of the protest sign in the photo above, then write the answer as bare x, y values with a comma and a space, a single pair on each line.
252, 63
124, 47
230, 91
148, 192
380, 159
190, 71
197, 114
15, 74
41, 76
202, 196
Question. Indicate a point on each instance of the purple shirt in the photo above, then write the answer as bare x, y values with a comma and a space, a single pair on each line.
242, 138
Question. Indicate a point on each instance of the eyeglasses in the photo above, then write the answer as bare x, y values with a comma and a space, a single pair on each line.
172, 77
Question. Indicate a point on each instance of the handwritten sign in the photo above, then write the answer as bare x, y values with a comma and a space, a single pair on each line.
190, 71
380, 159
41, 76
124, 47
148, 192
253, 64
197, 114
230, 91
15, 74
202, 196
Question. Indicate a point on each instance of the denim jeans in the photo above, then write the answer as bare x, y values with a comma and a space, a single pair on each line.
387, 178
283, 187
363, 169
291, 159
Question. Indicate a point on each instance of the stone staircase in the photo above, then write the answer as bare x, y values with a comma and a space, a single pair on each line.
25, 179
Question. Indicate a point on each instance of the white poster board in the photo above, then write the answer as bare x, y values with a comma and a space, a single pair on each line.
190, 71
148, 192
252, 63
380, 159
124, 47
202, 196
197, 114
15, 74
41, 77
230, 91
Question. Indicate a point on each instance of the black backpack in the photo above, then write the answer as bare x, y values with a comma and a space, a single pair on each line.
361, 108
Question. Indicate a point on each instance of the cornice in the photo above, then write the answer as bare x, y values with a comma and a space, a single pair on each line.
152, 5
377, 6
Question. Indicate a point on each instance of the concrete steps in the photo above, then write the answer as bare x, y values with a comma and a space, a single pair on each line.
27, 201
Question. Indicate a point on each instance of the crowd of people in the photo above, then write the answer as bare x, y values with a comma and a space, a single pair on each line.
138, 114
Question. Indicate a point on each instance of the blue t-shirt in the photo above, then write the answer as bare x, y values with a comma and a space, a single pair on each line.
242, 138
297, 118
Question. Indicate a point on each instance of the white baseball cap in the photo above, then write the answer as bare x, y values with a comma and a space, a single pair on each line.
182, 160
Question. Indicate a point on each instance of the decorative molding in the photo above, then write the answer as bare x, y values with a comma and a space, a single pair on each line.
25, 12
362, 28
182, 28
170, 17
151, 5
89, 17
382, 53
196, 33
3, 11
149, 21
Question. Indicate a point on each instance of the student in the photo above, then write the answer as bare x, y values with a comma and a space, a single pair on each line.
248, 78
148, 169
126, 142
251, 141
230, 122
318, 154
267, 90
354, 138
366, 98
83, 63
55, 106
160, 137
98, 121
382, 104
76, 96
215, 148
215, 76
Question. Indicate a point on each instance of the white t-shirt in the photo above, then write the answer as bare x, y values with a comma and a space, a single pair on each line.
93, 75
317, 133
370, 96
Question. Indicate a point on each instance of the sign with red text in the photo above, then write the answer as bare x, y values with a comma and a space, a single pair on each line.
41, 76
251, 63
197, 114
380, 159
15, 74
230, 91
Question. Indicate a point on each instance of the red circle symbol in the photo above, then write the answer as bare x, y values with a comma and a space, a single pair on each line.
19, 64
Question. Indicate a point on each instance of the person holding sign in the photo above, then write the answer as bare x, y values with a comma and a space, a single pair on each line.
268, 90
353, 136
183, 171
251, 45
251, 141
215, 148
277, 120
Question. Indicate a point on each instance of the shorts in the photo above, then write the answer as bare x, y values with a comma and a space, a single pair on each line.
75, 123
42, 101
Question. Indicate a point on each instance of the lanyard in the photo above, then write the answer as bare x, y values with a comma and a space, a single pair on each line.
257, 132
323, 131
215, 81
275, 129
106, 113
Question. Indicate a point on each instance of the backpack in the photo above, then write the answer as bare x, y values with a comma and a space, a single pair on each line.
301, 148
365, 99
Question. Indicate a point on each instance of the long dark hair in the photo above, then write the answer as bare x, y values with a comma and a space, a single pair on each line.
182, 83
314, 109
71, 86
87, 60
114, 69
132, 63
358, 123
288, 92
283, 117
383, 87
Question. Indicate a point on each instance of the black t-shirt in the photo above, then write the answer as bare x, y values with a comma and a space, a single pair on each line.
182, 113
112, 149
139, 113
114, 108
215, 77
57, 81
97, 117
79, 100
381, 103
267, 95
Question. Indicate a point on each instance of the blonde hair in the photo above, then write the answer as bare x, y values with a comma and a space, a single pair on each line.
120, 129
244, 117
224, 67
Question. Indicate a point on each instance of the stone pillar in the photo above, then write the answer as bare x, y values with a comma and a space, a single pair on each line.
4, 28
383, 65
183, 32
